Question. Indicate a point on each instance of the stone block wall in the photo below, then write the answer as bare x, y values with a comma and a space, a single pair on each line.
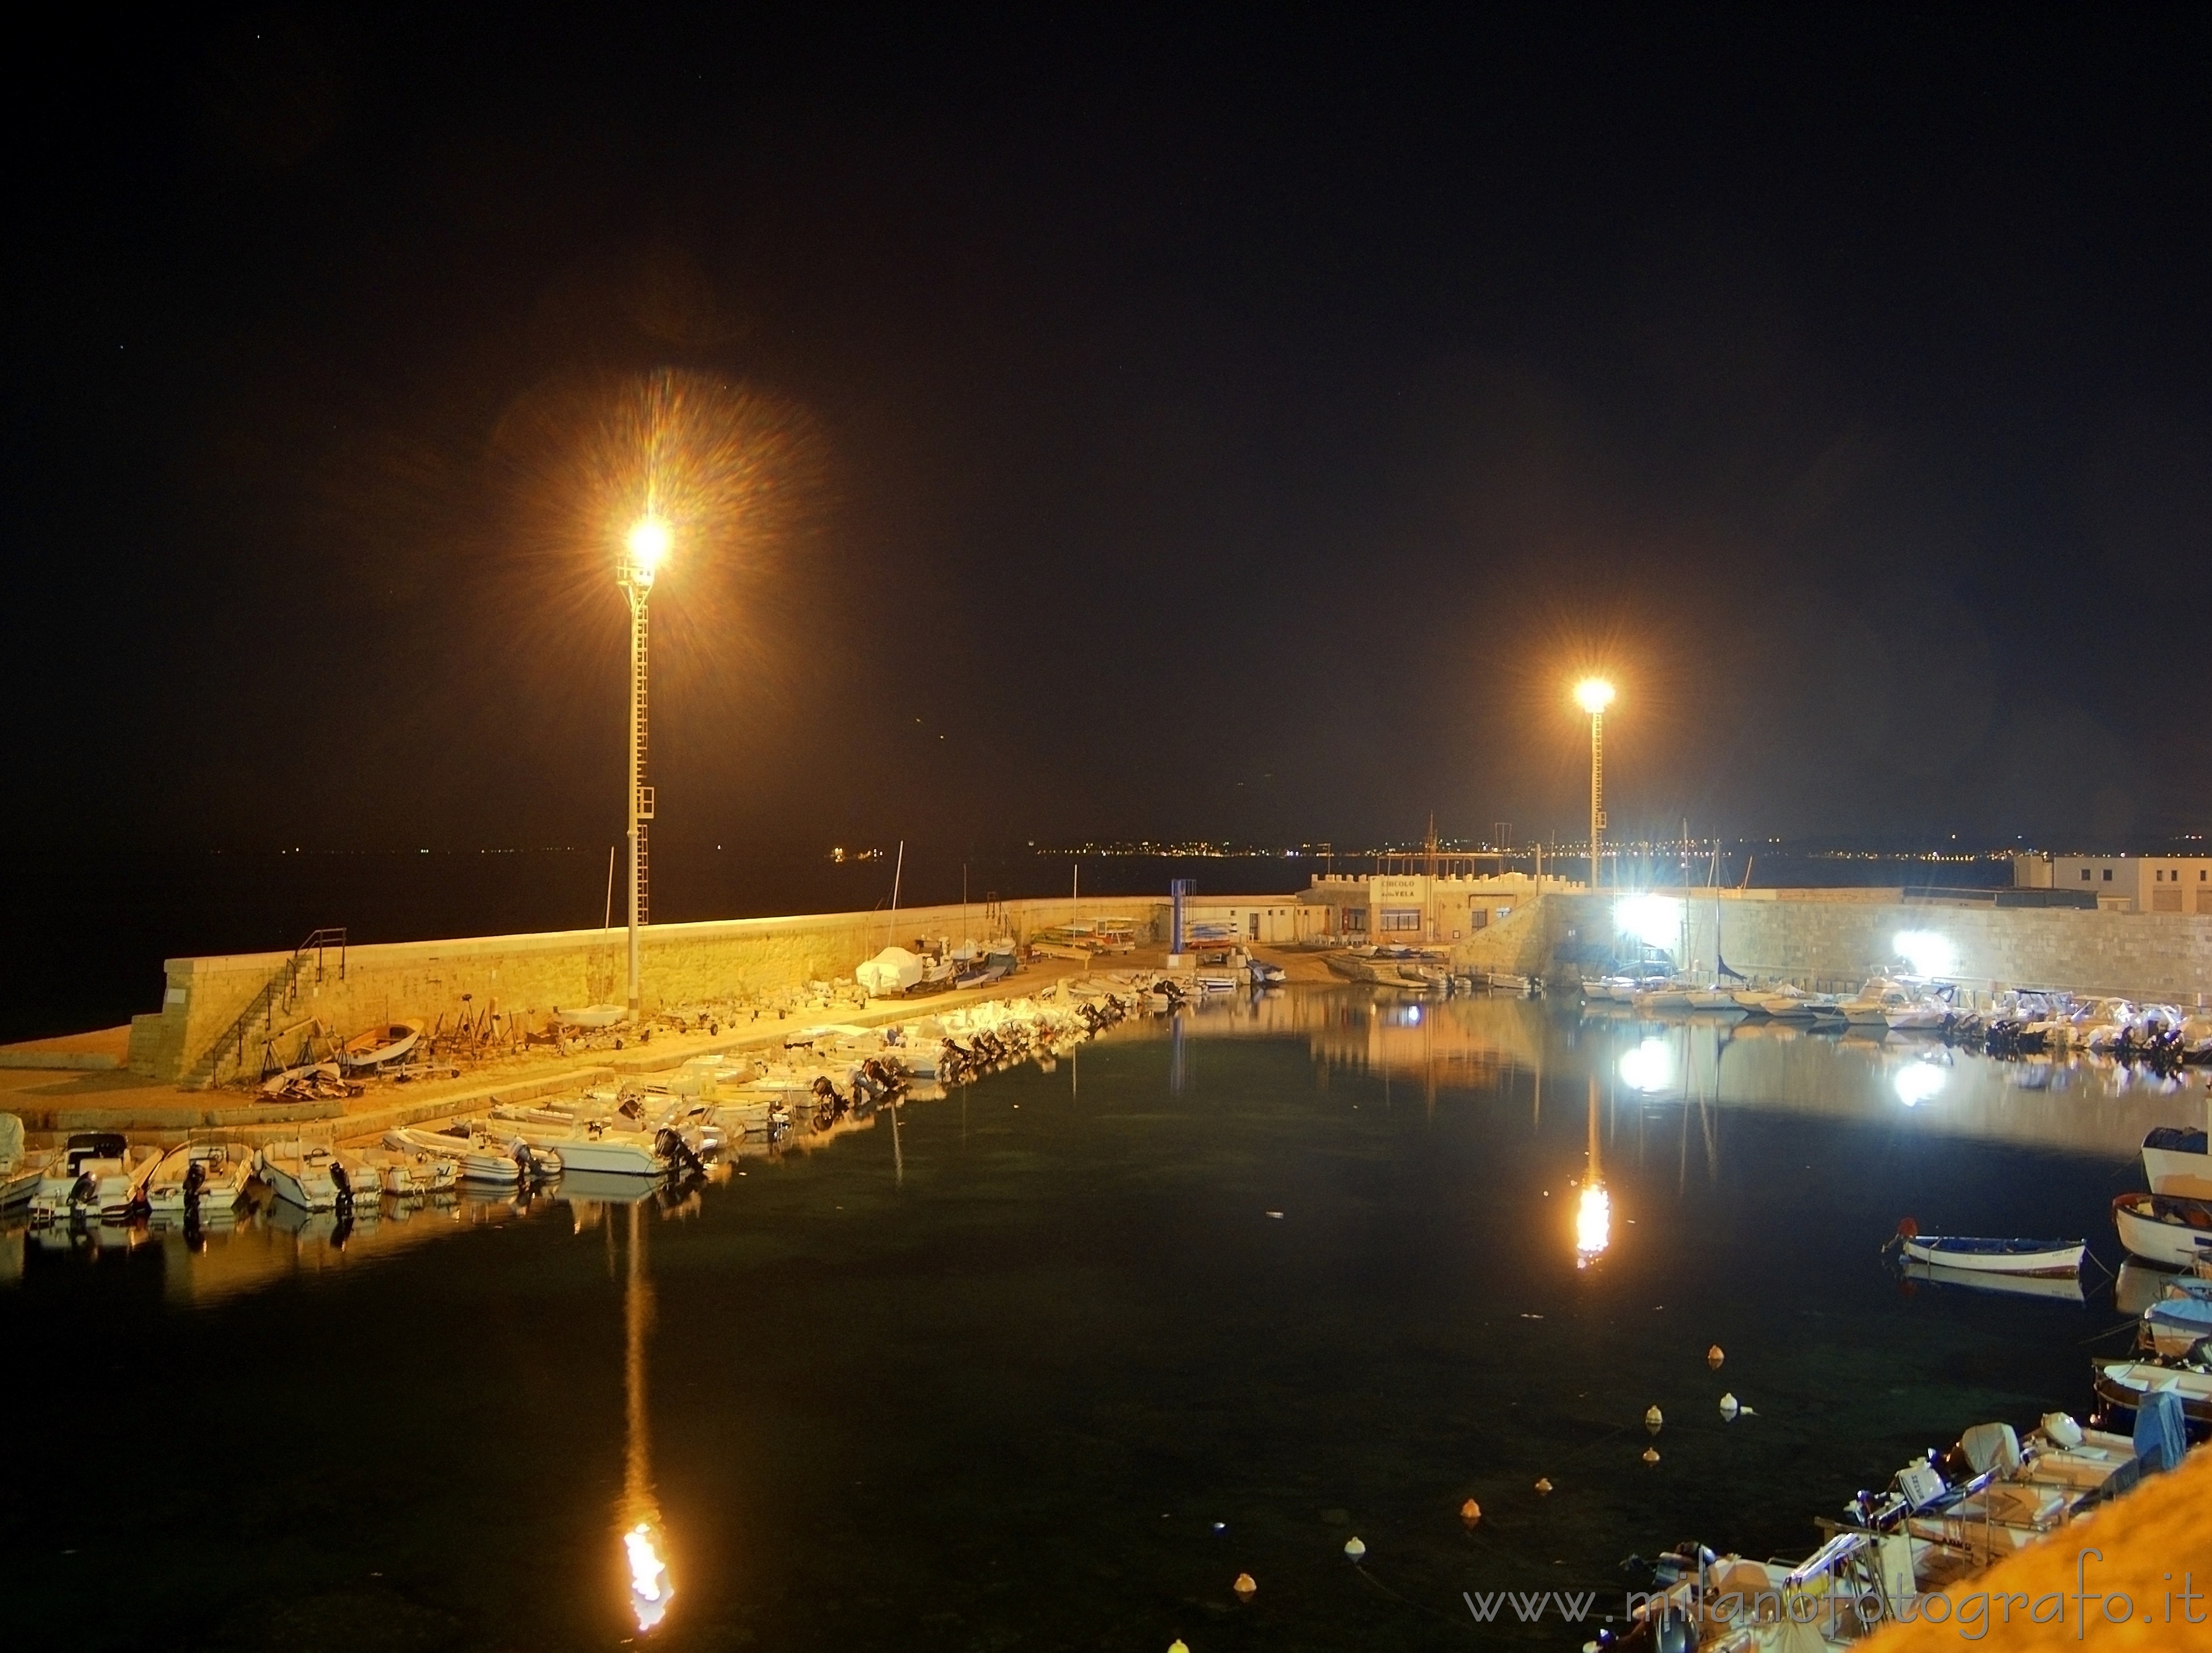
417, 981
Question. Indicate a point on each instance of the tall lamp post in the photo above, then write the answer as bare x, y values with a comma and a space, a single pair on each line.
1593, 694
647, 545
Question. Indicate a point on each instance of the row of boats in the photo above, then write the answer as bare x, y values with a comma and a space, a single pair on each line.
2016, 1022
668, 1127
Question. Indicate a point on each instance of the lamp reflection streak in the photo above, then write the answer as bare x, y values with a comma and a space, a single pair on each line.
651, 1589
1593, 1215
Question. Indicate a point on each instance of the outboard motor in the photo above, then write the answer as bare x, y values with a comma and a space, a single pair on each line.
677, 1152
344, 1184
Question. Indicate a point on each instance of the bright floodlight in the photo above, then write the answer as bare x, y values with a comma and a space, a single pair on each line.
1593, 1224
648, 542
1655, 921
1929, 953
1593, 694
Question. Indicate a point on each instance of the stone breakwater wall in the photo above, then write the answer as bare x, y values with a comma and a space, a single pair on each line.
216, 1013
1835, 938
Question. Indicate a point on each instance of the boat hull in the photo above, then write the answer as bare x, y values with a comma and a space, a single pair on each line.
2058, 1259
2156, 1229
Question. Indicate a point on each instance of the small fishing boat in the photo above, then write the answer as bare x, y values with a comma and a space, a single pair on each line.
2057, 1258
593, 1146
365, 1052
2177, 1323
591, 1017
409, 1173
2176, 1160
2166, 1228
1265, 974
208, 1175
301, 1174
479, 1157
2122, 1385
96, 1175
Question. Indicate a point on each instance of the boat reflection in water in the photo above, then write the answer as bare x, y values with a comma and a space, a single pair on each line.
651, 1589
1594, 1217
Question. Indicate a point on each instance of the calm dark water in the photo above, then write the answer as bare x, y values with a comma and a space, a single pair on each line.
990, 1386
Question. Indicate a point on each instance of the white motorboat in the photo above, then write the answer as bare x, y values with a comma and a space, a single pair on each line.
1507, 982
1921, 1016
2164, 1228
479, 1156
19, 1170
2057, 1258
1224, 980
378, 1046
210, 1176
595, 1146
408, 1173
1874, 1003
1787, 1004
302, 1174
97, 1174
2122, 1383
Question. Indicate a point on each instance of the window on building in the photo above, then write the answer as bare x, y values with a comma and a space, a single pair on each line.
2108, 875
1355, 918
1402, 919
1479, 917
2084, 875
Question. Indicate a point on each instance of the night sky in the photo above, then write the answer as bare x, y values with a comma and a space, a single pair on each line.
1236, 424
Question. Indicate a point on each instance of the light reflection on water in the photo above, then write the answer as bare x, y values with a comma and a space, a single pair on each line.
1022, 1352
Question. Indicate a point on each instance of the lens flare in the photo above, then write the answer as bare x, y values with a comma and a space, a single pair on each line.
1648, 1068
650, 1588
648, 542
1593, 1224
1592, 694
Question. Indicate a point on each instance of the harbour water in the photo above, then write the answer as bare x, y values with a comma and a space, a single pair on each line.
1056, 1361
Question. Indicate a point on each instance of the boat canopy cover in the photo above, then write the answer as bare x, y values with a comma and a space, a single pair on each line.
892, 970
2159, 1441
1988, 1445
2176, 1139
11, 1142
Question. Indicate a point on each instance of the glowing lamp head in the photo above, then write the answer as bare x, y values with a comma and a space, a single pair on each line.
648, 543
1593, 1224
1593, 694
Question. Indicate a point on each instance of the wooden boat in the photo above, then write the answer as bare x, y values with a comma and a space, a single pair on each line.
378, 1045
2175, 1160
2122, 1383
2166, 1228
2057, 1258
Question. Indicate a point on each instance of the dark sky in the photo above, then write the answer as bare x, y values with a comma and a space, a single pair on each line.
1228, 423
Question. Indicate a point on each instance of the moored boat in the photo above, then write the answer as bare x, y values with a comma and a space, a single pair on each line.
210, 1176
479, 1157
1995, 1257
2166, 1228
2176, 1160
301, 1174
2122, 1384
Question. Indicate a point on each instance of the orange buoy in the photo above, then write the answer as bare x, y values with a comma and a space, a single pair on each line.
1543, 1483
1650, 1455
1245, 1586
1714, 1357
1470, 1512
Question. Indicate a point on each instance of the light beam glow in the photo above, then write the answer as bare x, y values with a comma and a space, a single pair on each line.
1649, 1068
1928, 952
1655, 921
649, 540
1593, 694
1916, 1081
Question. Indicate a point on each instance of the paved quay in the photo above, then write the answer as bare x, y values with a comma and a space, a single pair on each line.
77, 1082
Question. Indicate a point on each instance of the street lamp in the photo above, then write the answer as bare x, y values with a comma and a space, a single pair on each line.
1593, 695
647, 545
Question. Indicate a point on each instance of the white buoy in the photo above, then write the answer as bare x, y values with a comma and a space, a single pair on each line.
1729, 1408
1354, 1548
1653, 1419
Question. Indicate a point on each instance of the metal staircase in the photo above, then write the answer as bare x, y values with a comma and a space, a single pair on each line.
282, 990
